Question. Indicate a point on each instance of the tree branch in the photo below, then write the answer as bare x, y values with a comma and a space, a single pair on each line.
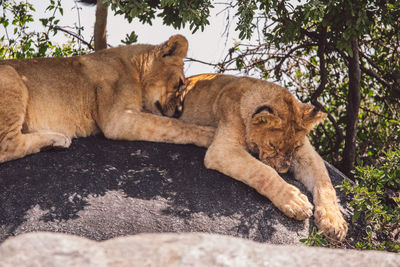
353, 106
323, 81
322, 66
323, 46
287, 55
395, 86
100, 26
75, 36
375, 75
188, 59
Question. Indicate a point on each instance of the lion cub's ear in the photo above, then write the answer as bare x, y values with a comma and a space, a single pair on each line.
266, 119
177, 45
312, 116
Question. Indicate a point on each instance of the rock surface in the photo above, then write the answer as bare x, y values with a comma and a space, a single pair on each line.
102, 189
191, 249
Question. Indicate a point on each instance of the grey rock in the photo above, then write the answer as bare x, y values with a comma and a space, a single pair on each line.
191, 249
102, 189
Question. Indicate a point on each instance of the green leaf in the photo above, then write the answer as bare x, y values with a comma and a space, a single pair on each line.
356, 215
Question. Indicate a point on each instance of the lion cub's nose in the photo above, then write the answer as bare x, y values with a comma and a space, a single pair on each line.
284, 167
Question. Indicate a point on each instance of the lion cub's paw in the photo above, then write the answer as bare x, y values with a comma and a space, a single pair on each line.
58, 139
294, 204
330, 221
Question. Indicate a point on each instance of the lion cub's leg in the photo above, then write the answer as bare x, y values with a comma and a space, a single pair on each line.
17, 145
13, 102
310, 169
229, 157
134, 126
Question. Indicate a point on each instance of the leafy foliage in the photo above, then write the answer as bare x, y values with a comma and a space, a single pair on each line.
307, 47
316, 239
176, 13
130, 38
19, 41
376, 202
375, 198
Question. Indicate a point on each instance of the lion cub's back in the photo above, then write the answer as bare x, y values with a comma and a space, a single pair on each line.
199, 101
60, 97
215, 93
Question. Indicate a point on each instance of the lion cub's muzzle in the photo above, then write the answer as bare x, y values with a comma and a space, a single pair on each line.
283, 167
171, 109
280, 163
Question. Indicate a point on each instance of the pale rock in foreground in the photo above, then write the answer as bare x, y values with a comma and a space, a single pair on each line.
191, 249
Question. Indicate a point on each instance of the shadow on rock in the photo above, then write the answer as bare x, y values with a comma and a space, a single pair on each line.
101, 189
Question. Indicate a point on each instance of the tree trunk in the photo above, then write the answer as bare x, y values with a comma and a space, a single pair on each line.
100, 40
353, 105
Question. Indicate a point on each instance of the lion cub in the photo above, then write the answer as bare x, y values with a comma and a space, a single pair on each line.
256, 116
47, 101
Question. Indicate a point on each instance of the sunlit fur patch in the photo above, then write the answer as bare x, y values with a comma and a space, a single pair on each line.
185, 88
191, 82
178, 105
201, 77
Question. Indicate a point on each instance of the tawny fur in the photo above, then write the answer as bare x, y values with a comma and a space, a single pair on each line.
119, 91
255, 116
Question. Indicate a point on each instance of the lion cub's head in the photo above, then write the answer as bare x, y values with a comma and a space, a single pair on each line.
276, 131
163, 75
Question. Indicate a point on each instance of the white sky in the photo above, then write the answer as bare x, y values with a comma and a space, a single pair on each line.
210, 45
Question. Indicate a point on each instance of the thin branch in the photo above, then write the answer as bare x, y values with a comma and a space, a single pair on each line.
75, 36
375, 75
79, 23
288, 54
189, 59
4, 16
395, 87
372, 63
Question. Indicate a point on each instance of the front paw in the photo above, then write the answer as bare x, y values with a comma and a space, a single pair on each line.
60, 140
330, 221
293, 203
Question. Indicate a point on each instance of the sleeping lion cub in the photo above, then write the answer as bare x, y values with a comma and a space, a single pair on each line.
256, 116
47, 101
